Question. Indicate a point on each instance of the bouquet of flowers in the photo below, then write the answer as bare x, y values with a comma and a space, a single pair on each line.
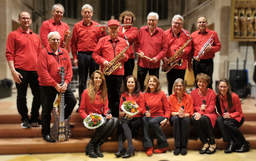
93, 121
130, 108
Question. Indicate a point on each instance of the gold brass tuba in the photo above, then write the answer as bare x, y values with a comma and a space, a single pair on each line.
115, 62
175, 59
201, 52
66, 40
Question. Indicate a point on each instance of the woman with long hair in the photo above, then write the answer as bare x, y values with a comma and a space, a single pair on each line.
231, 118
181, 110
204, 117
129, 125
94, 100
156, 115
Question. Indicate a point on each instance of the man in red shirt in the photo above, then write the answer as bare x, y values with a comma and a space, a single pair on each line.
22, 50
85, 36
204, 63
150, 42
176, 37
107, 49
54, 24
51, 59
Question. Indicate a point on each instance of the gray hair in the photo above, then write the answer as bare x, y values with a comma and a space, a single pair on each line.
179, 80
177, 17
53, 33
58, 5
87, 6
153, 14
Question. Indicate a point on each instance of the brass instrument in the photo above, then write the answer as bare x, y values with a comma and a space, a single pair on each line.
144, 56
175, 59
115, 62
66, 40
201, 52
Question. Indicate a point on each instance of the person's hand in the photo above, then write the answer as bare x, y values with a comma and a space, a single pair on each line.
197, 116
16, 76
163, 123
203, 107
154, 60
75, 62
147, 114
226, 115
122, 56
165, 60
103, 28
63, 87
106, 64
109, 116
141, 54
58, 88
208, 48
181, 113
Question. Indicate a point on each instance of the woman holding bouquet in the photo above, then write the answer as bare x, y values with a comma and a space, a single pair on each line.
181, 111
94, 100
128, 125
156, 116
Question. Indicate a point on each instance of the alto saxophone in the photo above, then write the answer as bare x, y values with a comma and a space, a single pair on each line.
115, 62
175, 59
201, 52
66, 40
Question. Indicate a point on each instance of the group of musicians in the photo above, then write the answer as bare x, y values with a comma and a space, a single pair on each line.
91, 47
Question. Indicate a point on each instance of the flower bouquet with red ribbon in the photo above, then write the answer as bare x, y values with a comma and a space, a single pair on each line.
93, 121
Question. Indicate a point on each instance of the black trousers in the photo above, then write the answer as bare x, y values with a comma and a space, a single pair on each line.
114, 83
203, 66
230, 130
153, 123
128, 68
48, 95
142, 73
85, 63
31, 78
172, 75
180, 130
204, 129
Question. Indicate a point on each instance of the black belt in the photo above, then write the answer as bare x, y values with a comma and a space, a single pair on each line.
204, 60
87, 52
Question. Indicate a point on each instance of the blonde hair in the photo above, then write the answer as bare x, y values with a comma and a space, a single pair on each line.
158, 87
126, 13
203, 77
179, 80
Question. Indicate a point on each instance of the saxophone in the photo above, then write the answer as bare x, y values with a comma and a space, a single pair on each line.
201, 52
175, 59
66, 40
115, 62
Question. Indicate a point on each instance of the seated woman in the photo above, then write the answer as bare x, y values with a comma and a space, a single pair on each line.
156, 116
181, 110
128, 125
231, 118
94, 100
204, 118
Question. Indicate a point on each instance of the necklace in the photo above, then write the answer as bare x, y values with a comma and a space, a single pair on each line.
179, 99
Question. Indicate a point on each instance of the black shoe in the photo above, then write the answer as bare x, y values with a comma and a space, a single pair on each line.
211, 149
231, 148
25, 124
120, 153
35, 123
97, 150
89, 150
204, 149
48, 138
244, 148
176, 151
128, 155
183, 151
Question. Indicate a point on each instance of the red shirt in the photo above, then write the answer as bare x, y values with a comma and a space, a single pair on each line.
210, 100
87, 107
49, 65
154, 45
85, 38
131, 34
49, 26
187, 102
236, 111
199, 39
158, 104
23, 49
106, 50
175, 43
138, 99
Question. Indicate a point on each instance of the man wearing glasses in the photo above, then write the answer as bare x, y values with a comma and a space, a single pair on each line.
207, 41
22, 49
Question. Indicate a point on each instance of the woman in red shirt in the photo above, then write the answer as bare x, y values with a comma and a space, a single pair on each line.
129, 125
231, 118
156, 116
94, 100
204, 118
181, 110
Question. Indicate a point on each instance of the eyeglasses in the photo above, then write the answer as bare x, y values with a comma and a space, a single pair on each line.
179, 86
223, 87
176, 23
55, 39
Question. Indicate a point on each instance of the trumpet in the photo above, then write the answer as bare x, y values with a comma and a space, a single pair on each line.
115, 62
202, 52
66, 40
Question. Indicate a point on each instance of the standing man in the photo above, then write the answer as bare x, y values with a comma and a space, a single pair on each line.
150, 42
22, 50
107, 49
51, 59
55, 24
204, 63
85, 36
176, 38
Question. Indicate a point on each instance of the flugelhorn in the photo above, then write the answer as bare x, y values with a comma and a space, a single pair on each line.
115, 62
66, 40
201, 52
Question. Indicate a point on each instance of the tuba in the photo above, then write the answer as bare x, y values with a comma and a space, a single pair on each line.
115, 62
201, 52
175, 59
66, 40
